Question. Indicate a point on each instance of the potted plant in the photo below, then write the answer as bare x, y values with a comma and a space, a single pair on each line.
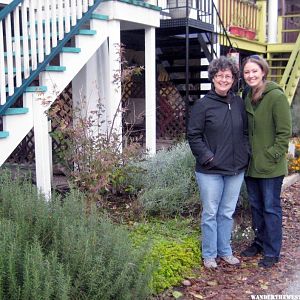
235, 28
249, 32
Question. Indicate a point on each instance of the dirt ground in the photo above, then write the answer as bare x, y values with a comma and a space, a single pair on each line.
232, 283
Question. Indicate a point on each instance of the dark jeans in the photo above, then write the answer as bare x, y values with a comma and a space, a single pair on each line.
264, 198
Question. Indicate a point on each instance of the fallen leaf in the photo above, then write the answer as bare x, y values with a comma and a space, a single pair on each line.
212, 283
197, 296
177, 294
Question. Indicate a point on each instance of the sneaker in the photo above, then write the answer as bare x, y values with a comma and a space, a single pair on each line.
210, 263
268, 261
230, 259
252, 250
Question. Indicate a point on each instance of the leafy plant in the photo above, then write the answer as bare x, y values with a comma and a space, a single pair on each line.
294, 162
55, 250
92, 156
174, 249
167, 181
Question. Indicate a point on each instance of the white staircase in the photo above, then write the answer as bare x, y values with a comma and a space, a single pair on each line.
67, 31
17, 122
44, 45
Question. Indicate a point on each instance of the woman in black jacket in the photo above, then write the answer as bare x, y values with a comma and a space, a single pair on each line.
217, 134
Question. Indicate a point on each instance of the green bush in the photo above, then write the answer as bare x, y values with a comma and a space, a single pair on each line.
175, 250
167, 181
55, 250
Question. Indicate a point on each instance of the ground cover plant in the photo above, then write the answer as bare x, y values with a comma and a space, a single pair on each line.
175, 249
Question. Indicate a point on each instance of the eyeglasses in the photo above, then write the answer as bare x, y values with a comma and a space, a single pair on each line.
226, 77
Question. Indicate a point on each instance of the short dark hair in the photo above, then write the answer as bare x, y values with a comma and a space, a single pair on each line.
221, 64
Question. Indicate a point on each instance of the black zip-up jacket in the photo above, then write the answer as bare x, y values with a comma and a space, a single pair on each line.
218, 134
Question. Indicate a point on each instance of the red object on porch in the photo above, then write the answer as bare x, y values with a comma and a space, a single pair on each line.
236, 30
250, 34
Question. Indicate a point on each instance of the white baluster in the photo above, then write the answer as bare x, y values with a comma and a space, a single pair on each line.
79, 9
17, 47
91, 2
47, 28
2, 66
67, 15
73, 13
53, 23
10, 67
40, 17
85, 6
60, 20
25, 38
32, 20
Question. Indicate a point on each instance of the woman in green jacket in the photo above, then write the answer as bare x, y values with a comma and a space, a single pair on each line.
269, 124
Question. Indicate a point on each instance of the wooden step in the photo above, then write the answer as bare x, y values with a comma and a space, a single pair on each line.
99, 17
87, 32
70, 50
16, 111
4, 134
40, 89
48, 68
64, 49
55, 68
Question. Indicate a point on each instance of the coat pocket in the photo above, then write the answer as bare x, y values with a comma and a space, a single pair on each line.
264, 163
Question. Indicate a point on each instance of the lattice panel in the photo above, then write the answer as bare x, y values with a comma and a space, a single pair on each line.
25, 153
170, 116
63, 114
170, 111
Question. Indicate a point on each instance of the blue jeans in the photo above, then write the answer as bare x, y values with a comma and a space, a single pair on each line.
264, 199
219, 195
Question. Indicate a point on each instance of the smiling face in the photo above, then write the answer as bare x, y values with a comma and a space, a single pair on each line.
253, 74
223, 81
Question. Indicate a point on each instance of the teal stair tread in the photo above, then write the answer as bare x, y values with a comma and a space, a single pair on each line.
40, 89
16, 111
64, 49
55, 68
4, 134
48, 68
32, 89
87, 32
99, 16
81, 31
70, 50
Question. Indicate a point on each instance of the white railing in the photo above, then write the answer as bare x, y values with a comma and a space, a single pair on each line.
28, 34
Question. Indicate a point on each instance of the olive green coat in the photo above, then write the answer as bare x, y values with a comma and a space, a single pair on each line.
269, 124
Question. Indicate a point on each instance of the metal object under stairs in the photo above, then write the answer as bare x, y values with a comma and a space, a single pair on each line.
285, 67
187, 42
32, 41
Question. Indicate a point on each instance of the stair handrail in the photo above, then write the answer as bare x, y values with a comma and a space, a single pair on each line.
290, 64
291, 72
9, 8
18, 91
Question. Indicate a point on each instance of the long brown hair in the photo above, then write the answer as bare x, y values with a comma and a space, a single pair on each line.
262, 63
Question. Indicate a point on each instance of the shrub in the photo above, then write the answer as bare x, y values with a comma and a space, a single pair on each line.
175, 250
90, 147
56, 250
167, 181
